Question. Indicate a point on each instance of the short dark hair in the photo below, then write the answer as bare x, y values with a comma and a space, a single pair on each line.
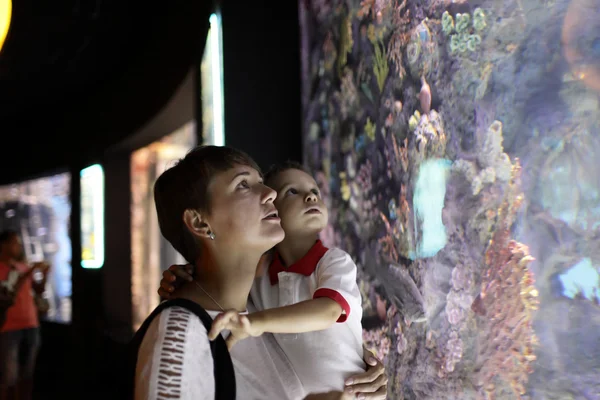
185, 186
7, 235
276, 169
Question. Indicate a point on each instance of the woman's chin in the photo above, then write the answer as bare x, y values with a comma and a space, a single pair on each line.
275, 237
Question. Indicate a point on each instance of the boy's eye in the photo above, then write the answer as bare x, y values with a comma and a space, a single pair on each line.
315, 192
244, 184
291, 191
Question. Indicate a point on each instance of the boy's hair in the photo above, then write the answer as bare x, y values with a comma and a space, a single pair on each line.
279, 168
185, 186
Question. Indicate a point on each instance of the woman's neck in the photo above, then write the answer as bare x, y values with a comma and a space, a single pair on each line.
221, 283
294, 247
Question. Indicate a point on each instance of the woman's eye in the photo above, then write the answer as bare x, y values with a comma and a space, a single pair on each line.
291, 191
244, 184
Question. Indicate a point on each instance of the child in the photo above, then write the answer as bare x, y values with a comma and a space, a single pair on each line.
309, 297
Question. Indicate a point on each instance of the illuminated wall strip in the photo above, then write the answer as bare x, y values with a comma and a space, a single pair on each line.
217, 79
95, 175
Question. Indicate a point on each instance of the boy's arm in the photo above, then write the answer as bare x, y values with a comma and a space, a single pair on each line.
335, 297
306, 316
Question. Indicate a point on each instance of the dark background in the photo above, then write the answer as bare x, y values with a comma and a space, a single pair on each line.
81, 82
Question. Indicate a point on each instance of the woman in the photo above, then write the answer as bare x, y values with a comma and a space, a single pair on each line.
19, 322
214, 209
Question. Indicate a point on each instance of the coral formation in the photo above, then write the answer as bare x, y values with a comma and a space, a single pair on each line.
463, 32
506, 303
397, 90
492, 162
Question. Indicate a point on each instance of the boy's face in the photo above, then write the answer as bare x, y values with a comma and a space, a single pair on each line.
299, 203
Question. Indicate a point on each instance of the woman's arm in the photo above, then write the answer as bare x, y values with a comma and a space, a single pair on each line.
175, 355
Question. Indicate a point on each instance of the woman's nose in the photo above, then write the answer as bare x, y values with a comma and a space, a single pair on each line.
269, 195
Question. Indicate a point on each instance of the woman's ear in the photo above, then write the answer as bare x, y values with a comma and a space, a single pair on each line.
196, 224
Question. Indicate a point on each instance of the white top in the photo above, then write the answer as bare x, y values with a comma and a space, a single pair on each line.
175, 361
323, 359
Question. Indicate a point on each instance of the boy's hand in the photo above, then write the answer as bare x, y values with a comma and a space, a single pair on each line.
371, 384
241, 327
174, 278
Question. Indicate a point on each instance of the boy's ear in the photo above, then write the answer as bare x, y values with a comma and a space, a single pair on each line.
196, 225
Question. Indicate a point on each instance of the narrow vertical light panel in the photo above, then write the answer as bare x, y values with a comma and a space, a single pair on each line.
92, 216
216, 52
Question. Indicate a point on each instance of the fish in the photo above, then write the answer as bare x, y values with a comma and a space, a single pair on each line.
425, 96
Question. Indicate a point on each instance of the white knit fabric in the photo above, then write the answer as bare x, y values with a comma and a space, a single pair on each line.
175, 362
174, 359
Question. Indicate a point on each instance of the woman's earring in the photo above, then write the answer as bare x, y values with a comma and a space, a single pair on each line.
211, 235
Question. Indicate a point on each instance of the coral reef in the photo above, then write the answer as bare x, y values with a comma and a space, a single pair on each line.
506, 303
456, 144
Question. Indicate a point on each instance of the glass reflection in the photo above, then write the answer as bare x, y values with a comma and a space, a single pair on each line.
150, 252
40, 211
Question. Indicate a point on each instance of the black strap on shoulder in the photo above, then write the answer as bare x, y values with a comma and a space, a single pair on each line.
223, 367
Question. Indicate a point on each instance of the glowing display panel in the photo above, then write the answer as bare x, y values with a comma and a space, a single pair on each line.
92, 217
212, 85
39, 211
150, 252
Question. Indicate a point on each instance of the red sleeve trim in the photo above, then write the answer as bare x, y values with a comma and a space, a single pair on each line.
338, 298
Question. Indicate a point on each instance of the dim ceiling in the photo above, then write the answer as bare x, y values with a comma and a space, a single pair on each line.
77, 76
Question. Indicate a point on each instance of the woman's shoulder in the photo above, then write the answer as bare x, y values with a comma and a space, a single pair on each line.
173, 350
176, 323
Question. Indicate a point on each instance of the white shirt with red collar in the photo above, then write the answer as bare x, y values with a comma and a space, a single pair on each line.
323, 359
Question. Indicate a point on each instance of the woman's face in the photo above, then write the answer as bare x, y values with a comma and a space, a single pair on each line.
242, 214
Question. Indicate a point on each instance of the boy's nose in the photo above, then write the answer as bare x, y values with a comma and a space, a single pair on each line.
310, 197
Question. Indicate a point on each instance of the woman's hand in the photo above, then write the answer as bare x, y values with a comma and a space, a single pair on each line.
371, 384
42, 267
174, 278
39, 285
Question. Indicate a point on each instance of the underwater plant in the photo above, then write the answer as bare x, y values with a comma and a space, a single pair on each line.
462, 36
462, 22
479, 18
447, 23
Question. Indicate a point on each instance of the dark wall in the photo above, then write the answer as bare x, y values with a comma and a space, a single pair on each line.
262, 116
261, 64
77, 77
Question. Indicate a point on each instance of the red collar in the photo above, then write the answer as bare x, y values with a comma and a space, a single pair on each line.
305, 266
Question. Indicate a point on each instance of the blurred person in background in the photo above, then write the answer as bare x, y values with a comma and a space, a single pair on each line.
19, 333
